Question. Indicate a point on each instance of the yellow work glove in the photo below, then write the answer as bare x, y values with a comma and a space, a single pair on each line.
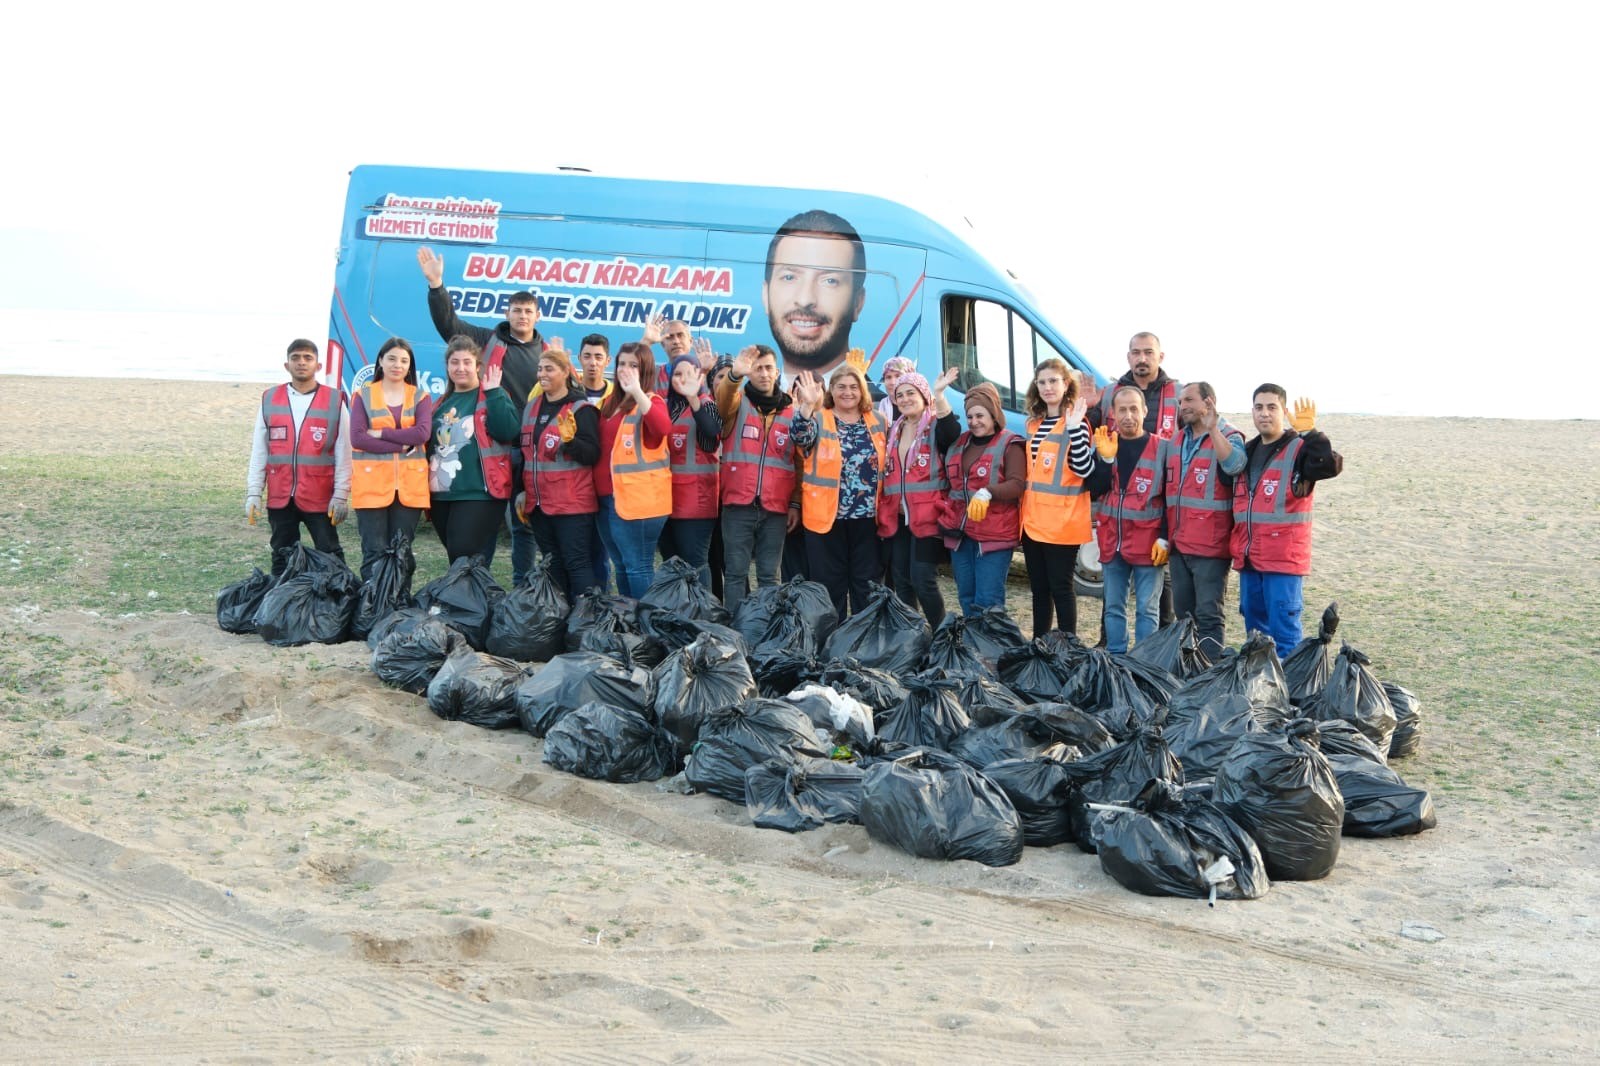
1304, 418
978, 506
520, 506
338, 510
856, 357
1105, 442
566, 425
1159, 553
252, 507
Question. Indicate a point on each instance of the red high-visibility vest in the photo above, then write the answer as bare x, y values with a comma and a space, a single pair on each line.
554, 484
1002, 526
1271, 525
1127, 521
300, 466
695, 484
758, 464
1199, 499
913, 492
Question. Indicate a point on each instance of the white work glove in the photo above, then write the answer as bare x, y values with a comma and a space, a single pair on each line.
252, 507
339, 509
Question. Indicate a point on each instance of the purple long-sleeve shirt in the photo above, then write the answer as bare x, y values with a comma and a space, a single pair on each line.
393, 440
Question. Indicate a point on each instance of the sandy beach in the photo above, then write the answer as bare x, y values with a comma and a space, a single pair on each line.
216, 850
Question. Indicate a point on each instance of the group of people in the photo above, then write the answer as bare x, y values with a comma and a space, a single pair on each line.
714, 461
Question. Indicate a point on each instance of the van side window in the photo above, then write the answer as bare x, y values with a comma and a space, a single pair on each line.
990, 342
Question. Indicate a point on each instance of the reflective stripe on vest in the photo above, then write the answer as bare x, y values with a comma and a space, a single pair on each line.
819, 480
641, 487
376, 478
300, 466
1271, 525
912, 500
1055, 508
1130, 531
1002, 524
554, 484
1198, 491
772, 482
695, 483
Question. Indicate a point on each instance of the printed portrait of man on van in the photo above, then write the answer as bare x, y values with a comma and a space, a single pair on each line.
814, 287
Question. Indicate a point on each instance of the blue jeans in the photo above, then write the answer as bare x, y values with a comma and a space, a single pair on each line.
523, 544
633, 542
980, 576
1146, 581
690, 540
1271, 604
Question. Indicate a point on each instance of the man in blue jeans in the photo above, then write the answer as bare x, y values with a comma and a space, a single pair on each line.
1130, 518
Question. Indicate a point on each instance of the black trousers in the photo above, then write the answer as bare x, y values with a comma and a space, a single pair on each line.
467, 527
565, 538
847, 560
285, 523
1050, 574
914, 575
378, 525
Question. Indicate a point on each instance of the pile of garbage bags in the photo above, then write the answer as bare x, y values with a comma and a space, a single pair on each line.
1186, 777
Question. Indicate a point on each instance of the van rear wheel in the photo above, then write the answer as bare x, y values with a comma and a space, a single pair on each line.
1086, 575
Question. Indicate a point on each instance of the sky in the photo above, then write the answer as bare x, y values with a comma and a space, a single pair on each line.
1388, 207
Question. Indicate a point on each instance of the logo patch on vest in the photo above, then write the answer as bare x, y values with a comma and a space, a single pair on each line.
550, 440
278, 433
317, 433
1166, 423
1270, 488
1200, 476
922, 460
981, 470
680, 440
1049, 461
1141, 484
781, 439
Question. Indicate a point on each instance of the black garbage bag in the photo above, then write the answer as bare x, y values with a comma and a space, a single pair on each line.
1279, 787
1377, 801
1241, 694
465, 597
836, 716
805, 793
673, 631
931, 715
1053, 730
1039, 670
237, 603
609, 743
693, 682
886, 634
1355, 694
530, 622
991, 632
312, 608
635, 649
1407, 739
949, 654
1105, 687
778, 672
1173, 649
1306, 667
299, 559
596, 609
976, 692
577, 677
797, 616
935, 806
677, 589
1037, 787
1117, 775
387, 589
876, 688
1169, 843
1338, 737
409, 658
733, 739
1157, 685
476, 688
402, 621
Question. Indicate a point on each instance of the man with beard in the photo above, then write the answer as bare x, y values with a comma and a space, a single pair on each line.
813, 290
1198, 468
514, 347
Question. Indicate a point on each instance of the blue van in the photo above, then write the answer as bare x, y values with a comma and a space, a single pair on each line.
810, 273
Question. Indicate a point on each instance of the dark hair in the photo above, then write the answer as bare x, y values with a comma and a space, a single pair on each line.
822, 224
1276, 390
1145, 333
598, 340
462, 343
1034, 404
1207, 393
300, 344
762, 351
1136, 390
524, 297
390, 345
619, 401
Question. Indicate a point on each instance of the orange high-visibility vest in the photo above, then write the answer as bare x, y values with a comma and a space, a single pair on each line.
641, 476
1055, 508
376, 478
819, 484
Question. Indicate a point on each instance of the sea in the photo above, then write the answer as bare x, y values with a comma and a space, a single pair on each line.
229, 346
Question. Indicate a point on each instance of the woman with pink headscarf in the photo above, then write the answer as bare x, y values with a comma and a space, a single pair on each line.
912, 486
892, 371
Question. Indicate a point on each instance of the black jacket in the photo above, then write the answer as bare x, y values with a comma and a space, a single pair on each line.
1316, 462
519, 368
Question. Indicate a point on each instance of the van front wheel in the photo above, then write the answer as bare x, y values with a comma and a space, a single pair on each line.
1086, 575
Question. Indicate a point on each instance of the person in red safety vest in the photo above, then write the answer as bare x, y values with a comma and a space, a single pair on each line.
1198, 467
913, 487
1272, 497
693, 445
985, 472
300, 459
760, 499
1130, 520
